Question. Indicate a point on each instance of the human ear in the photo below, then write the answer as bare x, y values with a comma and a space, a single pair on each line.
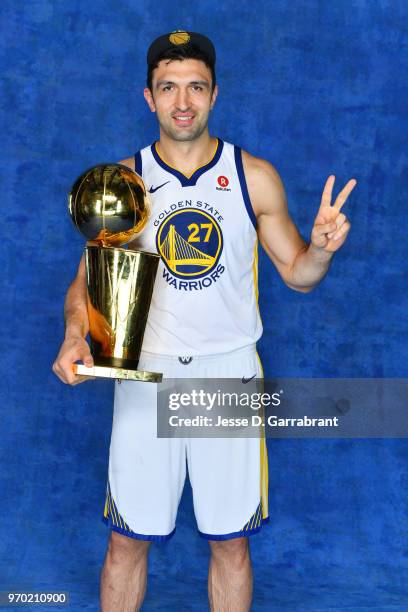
149, 99
214, 97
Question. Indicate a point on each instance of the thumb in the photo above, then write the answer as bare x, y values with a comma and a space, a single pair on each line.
87, 359
320, 219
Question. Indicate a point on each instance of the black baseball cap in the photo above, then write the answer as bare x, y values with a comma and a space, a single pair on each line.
180, 38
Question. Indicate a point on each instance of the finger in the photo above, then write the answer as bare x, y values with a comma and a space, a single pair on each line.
80, 379
327, 192
75, 379
319, 240
339, 221
88, 360
343, 231
82, 353
65, 374
58, 372
69, 374
66, 369
324, 228
344, 194
80, 350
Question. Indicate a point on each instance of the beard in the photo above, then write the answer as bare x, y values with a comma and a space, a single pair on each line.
183, 134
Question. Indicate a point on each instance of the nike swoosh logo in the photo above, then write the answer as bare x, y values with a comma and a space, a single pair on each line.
246, 380
153, 189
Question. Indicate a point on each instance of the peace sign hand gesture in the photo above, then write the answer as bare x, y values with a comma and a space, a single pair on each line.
331, 226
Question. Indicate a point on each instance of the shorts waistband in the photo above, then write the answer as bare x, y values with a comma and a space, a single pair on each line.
249, 348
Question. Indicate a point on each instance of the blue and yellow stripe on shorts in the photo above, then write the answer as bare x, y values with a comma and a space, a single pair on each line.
261, 514
111, 512
263, 448
264, 463
112, 517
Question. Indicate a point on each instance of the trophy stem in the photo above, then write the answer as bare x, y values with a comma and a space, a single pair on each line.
120, 285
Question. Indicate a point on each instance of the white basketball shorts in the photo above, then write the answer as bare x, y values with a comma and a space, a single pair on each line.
229, 476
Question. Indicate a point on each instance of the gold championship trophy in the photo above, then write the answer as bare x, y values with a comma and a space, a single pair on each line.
109, 206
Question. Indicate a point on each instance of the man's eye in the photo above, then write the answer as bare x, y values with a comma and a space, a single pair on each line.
166, 87
197, 88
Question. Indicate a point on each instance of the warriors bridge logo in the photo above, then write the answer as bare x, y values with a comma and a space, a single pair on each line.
190, 244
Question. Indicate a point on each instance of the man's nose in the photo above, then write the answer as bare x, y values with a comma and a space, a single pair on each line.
183, 99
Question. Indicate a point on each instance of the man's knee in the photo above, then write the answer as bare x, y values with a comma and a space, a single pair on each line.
234, 552
123, 549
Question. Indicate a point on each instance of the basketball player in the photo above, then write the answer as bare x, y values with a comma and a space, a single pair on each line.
211, 202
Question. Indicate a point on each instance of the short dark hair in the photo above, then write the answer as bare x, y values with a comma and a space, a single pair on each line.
181, 53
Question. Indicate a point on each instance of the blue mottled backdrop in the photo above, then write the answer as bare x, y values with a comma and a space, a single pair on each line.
316, 87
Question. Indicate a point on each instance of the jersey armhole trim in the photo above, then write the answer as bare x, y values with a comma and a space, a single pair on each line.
243, 183
138, 163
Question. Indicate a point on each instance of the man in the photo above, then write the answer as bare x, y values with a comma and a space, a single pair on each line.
210, 204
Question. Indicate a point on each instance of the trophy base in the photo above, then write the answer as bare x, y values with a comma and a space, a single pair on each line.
119, 373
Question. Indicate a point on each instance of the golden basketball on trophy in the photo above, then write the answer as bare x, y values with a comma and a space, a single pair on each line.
108, 204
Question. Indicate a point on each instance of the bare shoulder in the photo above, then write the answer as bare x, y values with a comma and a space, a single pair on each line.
265, 187
129, 162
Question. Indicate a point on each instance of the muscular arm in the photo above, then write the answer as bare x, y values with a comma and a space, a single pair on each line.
74, 346
75, 311
301, 265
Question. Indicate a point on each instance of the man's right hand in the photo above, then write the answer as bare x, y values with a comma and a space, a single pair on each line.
73, 348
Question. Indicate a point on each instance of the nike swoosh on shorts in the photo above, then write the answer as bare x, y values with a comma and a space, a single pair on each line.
246, 380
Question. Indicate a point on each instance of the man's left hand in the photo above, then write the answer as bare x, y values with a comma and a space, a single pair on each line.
331, 226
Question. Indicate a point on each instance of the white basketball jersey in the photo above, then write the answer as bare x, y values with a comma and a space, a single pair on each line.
205, 298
